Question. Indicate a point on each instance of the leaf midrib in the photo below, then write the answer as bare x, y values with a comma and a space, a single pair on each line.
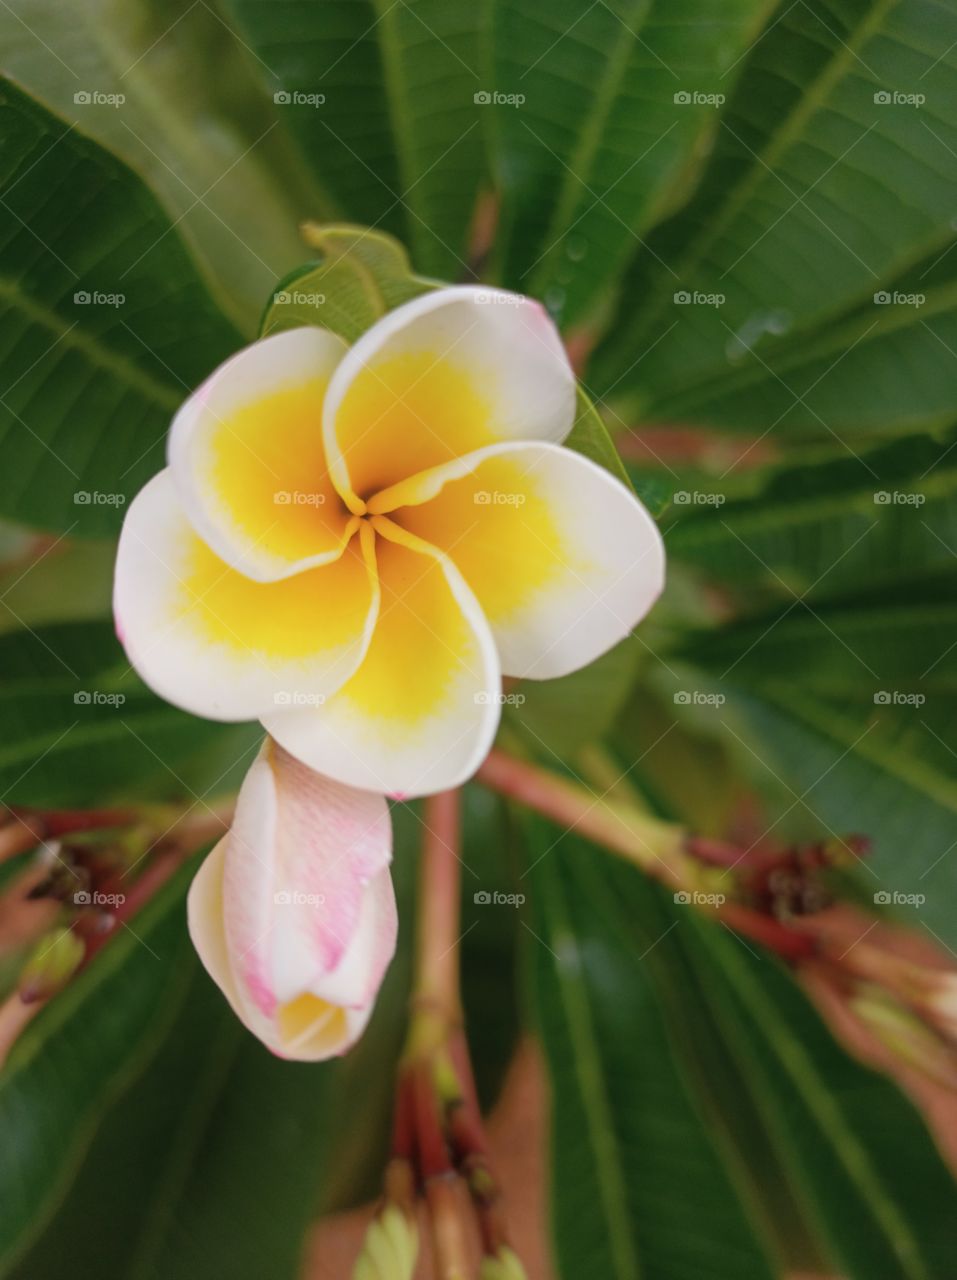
96, 352
778, 143
601, 1134
841, 1137
902, 767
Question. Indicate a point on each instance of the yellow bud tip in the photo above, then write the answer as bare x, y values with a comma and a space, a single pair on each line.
390, 1247
52, 964
504, 1265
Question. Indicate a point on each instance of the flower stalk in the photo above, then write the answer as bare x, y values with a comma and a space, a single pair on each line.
437, 1129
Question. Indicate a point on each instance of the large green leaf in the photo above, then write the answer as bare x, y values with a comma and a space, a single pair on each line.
826, 528
843, 715
382, 104
81, 729
842, 1131
603, 112
637, 1186
165, 86
74, 1058
809, 1140
107, 325
821, 194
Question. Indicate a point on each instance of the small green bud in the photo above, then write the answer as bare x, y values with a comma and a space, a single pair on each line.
390, 1247
51, 965
503, 1265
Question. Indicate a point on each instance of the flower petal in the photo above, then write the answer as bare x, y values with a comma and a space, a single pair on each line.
438, 377
248, 459
293, 913
220, 645
563, 559
421, 712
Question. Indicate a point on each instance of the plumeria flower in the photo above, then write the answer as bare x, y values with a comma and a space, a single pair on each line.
353, 544
293, 913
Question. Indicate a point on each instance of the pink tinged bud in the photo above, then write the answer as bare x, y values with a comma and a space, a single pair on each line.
293, 913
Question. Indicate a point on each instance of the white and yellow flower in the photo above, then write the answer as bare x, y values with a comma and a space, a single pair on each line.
293, 913
352, 544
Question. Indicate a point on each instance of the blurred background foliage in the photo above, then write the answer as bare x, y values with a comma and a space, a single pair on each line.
741, 214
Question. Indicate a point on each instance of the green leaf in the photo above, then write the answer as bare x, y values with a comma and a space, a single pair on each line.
845, 524
65, 582
381, 103
91, 383
843, 717
842, 1131
637, 1186
801, 215
791, 1117
607, 112
166, 87
361, 275
73, 1059
81, 729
